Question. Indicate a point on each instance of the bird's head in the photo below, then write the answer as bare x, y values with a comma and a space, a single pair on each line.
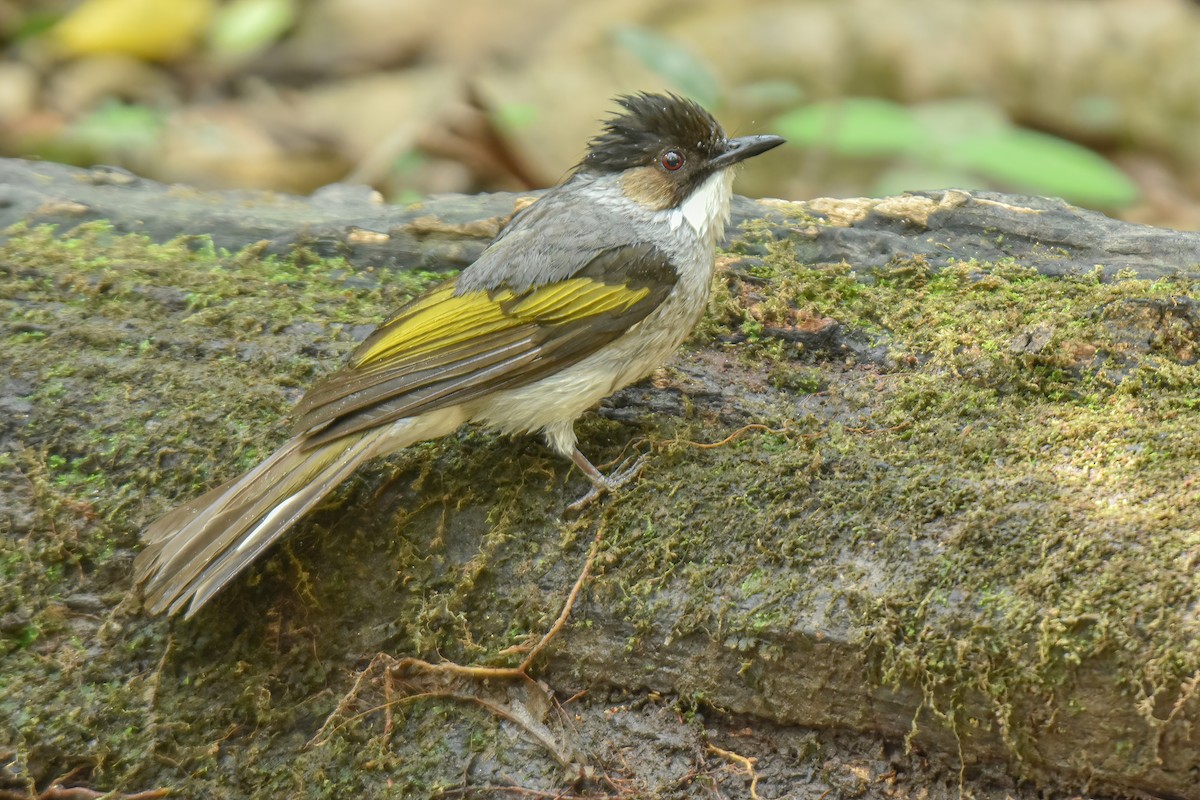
665, 148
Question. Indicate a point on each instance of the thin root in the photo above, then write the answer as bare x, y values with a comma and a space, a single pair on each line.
746, 763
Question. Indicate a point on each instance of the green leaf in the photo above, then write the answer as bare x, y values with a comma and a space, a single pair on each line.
682, 68
1036, 162
920, 177
770, 93
31, 24
856, 127
118, 127
947, 122
515, 117
243, 27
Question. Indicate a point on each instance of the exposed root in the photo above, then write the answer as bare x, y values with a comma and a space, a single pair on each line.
523, 701
744, 762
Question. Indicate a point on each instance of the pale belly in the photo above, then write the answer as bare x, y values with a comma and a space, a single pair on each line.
553, 403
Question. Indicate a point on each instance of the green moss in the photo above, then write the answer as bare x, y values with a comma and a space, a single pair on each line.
1026, 434
153, 371
1000, 494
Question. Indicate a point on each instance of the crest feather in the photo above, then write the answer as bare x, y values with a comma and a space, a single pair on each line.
649, 123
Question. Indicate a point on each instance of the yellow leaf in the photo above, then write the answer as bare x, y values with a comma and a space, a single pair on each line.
150, 29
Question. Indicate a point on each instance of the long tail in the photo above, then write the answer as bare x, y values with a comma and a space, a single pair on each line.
196, 549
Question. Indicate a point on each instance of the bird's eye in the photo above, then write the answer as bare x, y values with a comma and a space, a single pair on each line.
672, 160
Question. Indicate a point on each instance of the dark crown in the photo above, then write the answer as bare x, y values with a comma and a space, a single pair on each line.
650, 123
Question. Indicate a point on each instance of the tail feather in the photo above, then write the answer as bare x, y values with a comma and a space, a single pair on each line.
196, 549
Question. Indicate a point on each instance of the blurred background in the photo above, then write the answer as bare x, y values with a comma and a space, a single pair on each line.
1096, 101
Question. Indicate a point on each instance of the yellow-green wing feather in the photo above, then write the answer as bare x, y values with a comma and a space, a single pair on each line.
445, 347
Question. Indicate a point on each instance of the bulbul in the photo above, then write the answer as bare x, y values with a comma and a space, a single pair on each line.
585, 291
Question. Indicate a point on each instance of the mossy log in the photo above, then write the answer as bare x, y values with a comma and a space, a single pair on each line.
930, 469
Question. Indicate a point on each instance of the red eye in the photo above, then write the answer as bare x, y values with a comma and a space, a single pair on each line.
672, 160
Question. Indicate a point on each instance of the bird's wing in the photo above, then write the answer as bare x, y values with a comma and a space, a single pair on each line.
447, 347
549, 241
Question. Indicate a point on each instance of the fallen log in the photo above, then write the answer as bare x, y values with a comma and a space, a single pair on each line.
928, 470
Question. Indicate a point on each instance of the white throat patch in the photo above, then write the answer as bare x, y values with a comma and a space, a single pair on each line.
706, 210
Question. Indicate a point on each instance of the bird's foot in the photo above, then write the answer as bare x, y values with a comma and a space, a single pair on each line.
602, 484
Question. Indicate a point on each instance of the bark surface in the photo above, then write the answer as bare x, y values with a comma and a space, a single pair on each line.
954, 504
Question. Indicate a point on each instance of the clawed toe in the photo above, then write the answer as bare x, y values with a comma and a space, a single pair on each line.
625, 474
602, 484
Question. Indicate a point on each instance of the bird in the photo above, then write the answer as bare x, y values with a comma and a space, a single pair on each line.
586, 290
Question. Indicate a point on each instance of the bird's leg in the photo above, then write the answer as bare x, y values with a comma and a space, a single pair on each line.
603, 484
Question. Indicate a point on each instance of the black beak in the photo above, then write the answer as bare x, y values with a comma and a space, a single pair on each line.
737, 150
